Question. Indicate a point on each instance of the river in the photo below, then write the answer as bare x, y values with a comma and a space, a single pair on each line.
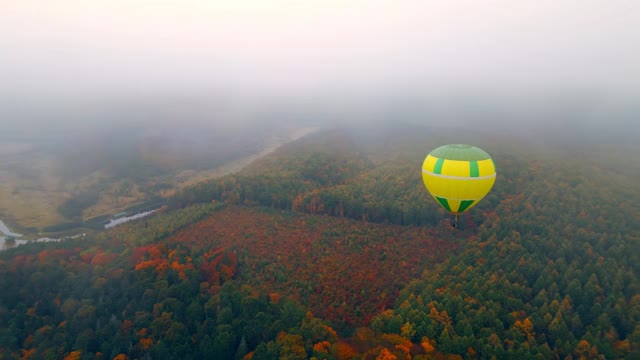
5, 230
4, 244
122, 220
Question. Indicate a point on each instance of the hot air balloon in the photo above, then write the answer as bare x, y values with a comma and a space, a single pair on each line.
458, 176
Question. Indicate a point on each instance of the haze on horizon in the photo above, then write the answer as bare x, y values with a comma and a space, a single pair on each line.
250, 54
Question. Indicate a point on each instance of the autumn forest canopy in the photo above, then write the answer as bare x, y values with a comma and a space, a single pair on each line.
331, 248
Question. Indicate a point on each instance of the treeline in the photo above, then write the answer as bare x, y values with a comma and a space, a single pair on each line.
73, 207
336, 178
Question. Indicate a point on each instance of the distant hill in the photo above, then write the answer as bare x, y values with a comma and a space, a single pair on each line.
69, 178
331, 248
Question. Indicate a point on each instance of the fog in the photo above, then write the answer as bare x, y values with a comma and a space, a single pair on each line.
74, 64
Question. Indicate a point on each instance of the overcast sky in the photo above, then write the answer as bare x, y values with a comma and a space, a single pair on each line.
95, 49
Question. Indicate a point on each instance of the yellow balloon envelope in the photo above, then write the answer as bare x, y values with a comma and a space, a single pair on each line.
458, 176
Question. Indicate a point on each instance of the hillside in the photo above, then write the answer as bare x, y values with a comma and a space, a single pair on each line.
331, 248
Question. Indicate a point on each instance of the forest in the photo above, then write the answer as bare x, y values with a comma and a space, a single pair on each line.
331, 248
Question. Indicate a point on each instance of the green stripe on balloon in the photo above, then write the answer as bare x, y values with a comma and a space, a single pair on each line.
437, 169
464, 205
473, 165
444, 203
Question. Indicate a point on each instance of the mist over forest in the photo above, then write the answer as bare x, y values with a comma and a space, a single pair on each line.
203, 179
